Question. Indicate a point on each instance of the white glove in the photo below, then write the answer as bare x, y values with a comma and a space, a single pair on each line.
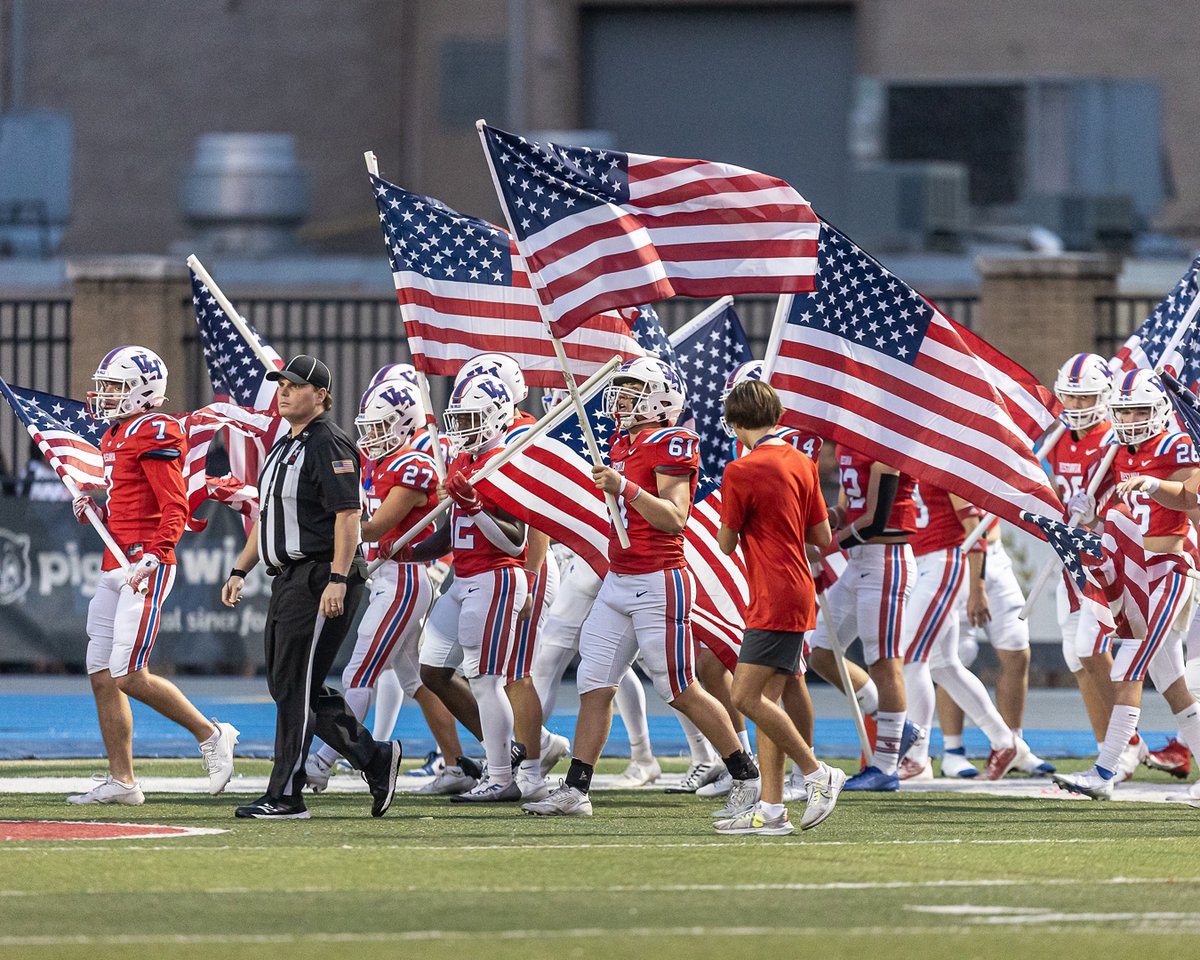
142, 570
1082, 504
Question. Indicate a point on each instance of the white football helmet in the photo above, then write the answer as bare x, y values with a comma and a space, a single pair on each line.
1139, 390
552, 398
750, 370
395, 371
129, 381
1084, 375
497, 365
480, 410
388, 415
651, 389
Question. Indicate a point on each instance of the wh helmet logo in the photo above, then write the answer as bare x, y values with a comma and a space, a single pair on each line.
149, 366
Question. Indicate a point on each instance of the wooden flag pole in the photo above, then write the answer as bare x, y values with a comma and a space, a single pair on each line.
589, 435
431, 428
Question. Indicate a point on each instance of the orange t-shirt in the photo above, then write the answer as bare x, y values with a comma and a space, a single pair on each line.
771, 496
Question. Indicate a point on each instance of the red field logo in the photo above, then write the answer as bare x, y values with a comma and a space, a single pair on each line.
91, 830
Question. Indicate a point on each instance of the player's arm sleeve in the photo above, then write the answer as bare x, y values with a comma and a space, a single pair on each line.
162, 465
889, 483
335, 469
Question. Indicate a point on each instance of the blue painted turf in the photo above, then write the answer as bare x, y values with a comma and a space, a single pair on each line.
60, 725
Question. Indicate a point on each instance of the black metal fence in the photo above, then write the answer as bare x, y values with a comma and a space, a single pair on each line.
35, 351
1117, 318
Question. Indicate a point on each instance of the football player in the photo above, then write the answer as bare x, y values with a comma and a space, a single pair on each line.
146, 513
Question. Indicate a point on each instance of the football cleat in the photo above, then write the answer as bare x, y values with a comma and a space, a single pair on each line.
911, 735
218, 756
1089, 783
637, 774
718, 788
1130, 759
565, 801
698, 775
532, 787
451, 780
380, 776
915, 771
554, 749
823, 794
317, 773
1174, 758
108, 790
743, 795
754, 821
1000, 762
268, 807
1035, 766
517, 754
957, 765
434, 764
1191, 798
872, 778
488, 791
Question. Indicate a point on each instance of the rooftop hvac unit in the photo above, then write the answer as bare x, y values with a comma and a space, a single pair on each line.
35, 182
1105, 222
909, 205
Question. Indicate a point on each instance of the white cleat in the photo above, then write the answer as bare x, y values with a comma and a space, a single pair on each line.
533, 788
914, 771
1089, 783
957, 765
1130, 760
718, 788
218, 756
743, 796
637, 774
556, 748
452, 780
563, 802
317, 772
753, 821
1191, 798
698, 775
108, 790
823, 791
793, 786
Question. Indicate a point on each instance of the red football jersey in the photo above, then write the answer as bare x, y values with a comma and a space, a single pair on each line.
473, 552
1073, 462
937, 524
854, 471
147, 496
404, 468
1158, 457
674, 451
522, 419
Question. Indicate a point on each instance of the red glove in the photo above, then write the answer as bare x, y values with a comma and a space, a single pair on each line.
463, 494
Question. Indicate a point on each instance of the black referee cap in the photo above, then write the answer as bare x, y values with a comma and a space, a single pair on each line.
304, 369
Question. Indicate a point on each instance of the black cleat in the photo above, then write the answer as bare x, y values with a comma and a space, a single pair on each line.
518, 754
472, 768
268, 807
380, 776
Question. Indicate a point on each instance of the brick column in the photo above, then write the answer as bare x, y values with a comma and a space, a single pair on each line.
130, 300
1041, 310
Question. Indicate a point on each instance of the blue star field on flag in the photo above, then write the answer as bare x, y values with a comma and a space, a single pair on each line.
1157, 330
46, 411
1068, 542
1186, 403
234, 369
858, 299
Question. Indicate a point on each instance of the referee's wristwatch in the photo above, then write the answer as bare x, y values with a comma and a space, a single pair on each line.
338, 578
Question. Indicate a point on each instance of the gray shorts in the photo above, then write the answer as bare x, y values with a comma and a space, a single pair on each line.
781, 649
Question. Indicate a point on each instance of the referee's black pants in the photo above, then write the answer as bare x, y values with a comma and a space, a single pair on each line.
301, 645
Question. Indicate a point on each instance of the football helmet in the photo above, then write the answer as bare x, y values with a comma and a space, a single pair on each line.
480, 411
128, 381
497, 365
395, 371
750, 370
1084, 375
552, 398
1139, 390
651, 389
388, 415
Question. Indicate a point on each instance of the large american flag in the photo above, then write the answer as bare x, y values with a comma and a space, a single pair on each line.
70, 440
867, 361
1145, 346
600, 229
463, 291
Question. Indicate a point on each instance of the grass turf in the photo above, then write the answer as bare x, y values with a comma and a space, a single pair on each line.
646, 876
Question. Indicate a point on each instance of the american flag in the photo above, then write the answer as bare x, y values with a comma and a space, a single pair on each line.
1145, 346
1186, 403
463, 291
705, 352
237, 375
867, 361
70, 440
600, 229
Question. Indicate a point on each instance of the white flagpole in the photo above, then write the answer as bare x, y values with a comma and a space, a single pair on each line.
783, 307
589, 435
231, 312
839, 658
553, 417
700, 319
94, 519
422, 381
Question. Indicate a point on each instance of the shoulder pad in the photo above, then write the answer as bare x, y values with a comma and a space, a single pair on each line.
1169, 441
406, 457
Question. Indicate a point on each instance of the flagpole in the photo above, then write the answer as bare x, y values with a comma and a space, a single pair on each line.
783, 306
700, 319
551, 420
835, 647
431, 428
589, 435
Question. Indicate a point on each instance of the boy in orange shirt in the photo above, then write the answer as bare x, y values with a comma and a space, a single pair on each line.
771, 501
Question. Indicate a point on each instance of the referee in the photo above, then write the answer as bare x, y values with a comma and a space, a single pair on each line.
307, 534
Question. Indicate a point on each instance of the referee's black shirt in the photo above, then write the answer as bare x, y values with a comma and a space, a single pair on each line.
306, 480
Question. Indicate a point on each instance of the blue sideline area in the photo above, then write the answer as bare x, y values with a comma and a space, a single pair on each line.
54, 717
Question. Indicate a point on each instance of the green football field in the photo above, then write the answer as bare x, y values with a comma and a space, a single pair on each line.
925, 875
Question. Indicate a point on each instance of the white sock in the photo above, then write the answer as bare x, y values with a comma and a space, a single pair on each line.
531, 769
699, 747
496, 719
389, 696
1018, 733
744, 739
968, 691
952, 741
868, 697
1121, 726
549, 665
1188, 720
887, 740
820, 775
770, 810
631, 704
922, 700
